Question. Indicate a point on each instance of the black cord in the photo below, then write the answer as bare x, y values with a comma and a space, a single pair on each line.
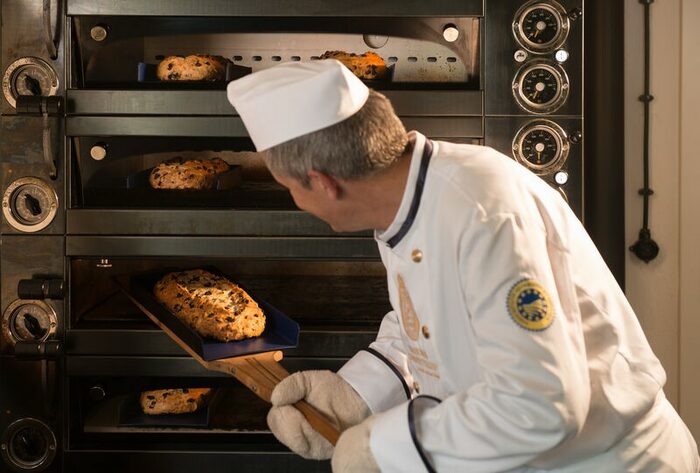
646, 248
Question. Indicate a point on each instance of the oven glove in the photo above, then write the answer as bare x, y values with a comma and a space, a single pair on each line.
352, 452
327, 392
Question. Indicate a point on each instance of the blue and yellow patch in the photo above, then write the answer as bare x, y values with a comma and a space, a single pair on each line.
530, 305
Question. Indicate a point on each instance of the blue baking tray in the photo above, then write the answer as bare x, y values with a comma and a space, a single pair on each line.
280, 332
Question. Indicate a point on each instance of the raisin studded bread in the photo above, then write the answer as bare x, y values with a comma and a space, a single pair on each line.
174, 401
365, 66
211, 305
195, 67
194, 174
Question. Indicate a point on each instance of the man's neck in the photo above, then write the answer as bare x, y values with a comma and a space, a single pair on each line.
380, 195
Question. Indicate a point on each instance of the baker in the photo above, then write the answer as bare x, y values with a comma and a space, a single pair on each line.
510, 346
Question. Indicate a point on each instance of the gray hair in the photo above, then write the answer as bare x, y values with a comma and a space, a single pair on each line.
366, 142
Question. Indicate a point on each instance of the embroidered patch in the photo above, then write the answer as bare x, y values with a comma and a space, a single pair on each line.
530, 305
411, 324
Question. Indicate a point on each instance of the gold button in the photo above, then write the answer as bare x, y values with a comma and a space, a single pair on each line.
416, 387
426, 332
417, 255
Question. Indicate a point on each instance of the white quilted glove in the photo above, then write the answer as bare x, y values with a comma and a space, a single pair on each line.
327, 392
352, 453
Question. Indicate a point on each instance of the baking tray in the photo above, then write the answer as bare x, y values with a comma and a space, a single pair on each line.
222, 181
146, 74
280, 332
131, 415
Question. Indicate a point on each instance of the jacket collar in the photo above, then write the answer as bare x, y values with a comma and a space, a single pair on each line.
420, 159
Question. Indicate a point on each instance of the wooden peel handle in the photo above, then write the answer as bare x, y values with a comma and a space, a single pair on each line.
261, 373
319, 422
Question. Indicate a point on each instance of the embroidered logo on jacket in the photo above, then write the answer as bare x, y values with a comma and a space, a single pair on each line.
530, 305
411, 324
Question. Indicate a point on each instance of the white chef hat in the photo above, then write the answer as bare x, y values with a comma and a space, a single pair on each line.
295, 98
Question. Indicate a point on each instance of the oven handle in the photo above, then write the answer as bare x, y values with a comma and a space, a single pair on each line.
49, 35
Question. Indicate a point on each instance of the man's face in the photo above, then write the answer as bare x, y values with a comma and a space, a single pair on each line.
321, 199
314, 199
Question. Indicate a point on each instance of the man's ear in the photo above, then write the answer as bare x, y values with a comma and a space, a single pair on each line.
329, 184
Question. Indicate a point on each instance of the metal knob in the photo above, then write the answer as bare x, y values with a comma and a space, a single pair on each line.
97, 392
98, 33
98, 152
450, 33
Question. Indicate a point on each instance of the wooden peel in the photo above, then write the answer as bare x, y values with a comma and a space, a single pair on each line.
260, 373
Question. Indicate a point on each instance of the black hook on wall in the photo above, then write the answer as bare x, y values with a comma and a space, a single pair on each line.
646, 248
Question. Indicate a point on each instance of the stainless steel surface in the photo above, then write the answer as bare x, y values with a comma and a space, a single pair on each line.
459, 90
228, 127
231, 247
300, 8
204, 222
407, 103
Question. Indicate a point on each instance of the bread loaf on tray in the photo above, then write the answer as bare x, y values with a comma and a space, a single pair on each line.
174, 401
193, 174
195, 67
365, 66
211, 305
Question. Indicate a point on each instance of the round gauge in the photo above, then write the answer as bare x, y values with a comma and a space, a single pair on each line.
29, 204
29, 76
541, 87
541, 26
541, 146
28, 445
29, 321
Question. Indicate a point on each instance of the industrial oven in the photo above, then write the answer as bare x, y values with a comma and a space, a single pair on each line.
84, 120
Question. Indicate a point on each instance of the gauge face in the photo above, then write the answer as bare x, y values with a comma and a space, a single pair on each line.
541, 146
541, 26
541, 87
29, 321
28, 445
29, 76
29, 204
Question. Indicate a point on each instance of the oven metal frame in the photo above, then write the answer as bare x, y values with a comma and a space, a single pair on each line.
96, 233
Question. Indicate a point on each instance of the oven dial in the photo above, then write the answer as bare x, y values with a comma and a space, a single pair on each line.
28, 445
541, 26
29, 76
29, 321
541, 87
29, 204
541, 146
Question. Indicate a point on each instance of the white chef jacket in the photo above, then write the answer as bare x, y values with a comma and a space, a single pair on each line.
510, 346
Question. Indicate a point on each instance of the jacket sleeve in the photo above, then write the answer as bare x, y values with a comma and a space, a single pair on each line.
534, 390
380, 374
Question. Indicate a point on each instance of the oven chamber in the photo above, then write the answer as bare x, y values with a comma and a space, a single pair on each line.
77, 351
